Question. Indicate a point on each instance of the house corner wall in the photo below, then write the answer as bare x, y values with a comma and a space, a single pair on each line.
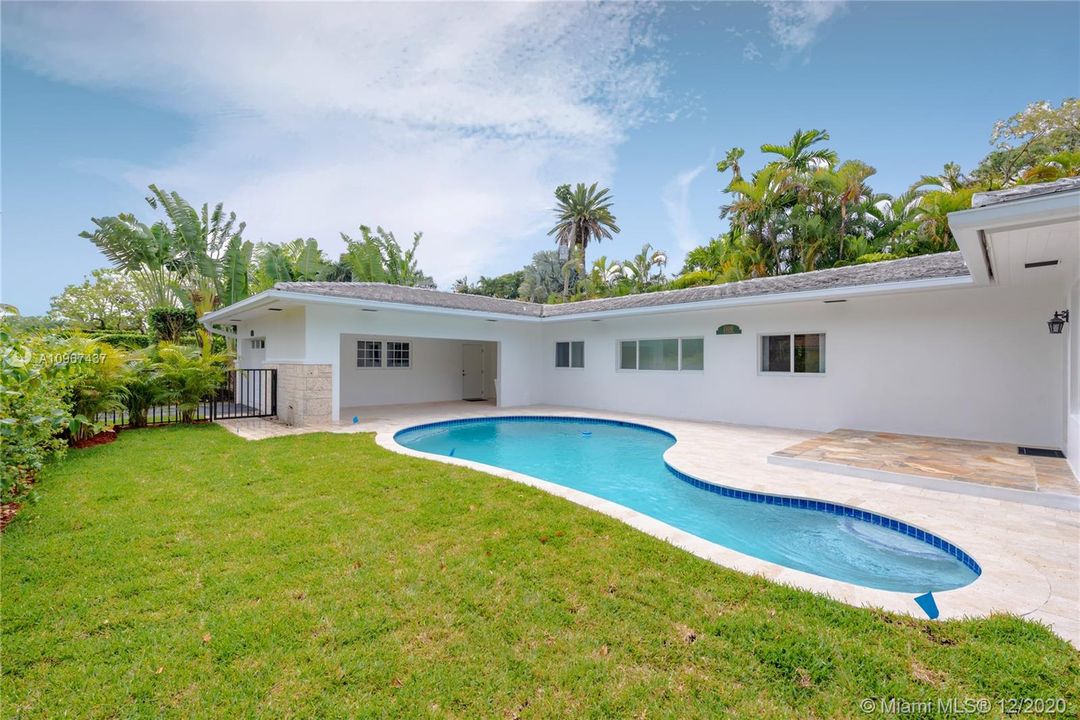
1072, 362
304, 393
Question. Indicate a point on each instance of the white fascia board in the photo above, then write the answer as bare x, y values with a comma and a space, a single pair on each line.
266, 297
361, 303
844, 293
970, 227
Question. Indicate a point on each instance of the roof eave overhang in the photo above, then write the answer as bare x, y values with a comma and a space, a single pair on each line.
268, 297
971, 228
839, 293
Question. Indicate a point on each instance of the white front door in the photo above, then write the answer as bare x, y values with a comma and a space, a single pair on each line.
472, 371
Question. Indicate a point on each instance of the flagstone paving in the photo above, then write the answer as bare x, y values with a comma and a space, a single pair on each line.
993, 464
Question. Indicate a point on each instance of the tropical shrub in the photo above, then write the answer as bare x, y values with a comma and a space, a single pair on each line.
125, 341
186, 377
694, 278
142, 388
96, 375
168, 323
874, 257
33, 412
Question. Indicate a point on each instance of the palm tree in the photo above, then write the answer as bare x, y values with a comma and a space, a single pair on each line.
951, 179
846, 187
799, 155
583, 215
646, 268
731, 162
758, 209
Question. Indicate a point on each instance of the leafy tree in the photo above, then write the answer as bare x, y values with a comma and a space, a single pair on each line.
1028, 139
169, 324
583, 215
501, 286
197, 256
33, 410
377, 257
107, 300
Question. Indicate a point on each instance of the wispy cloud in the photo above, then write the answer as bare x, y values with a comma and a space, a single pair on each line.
794, 25
750, 52
455, 119
676, 199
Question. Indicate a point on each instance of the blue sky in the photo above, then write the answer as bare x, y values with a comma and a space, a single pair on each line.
459, 120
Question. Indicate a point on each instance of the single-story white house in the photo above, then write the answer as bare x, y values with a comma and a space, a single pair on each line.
955, 345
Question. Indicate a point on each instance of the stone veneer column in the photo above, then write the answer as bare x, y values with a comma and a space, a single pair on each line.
304, 393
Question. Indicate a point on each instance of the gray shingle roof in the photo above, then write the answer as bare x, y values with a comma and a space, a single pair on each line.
924, 267
380, 292
1022, 192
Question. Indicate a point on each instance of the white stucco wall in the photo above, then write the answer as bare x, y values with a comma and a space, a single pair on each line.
518, 362
433, 375
284, 332
970, 363
1072, 344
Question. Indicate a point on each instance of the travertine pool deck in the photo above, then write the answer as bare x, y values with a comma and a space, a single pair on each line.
992, 469
1030, 555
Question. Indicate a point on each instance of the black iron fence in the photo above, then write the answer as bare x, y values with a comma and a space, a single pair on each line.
244, 394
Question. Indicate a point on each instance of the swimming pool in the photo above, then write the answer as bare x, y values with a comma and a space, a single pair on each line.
623, 462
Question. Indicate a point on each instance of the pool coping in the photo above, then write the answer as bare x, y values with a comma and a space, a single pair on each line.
993, 591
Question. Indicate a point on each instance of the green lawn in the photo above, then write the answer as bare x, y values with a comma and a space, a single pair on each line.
184, 572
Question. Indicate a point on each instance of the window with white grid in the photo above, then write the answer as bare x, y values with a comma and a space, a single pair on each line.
368, 353
397, 354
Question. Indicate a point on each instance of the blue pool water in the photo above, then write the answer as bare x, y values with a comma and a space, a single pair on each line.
623, 463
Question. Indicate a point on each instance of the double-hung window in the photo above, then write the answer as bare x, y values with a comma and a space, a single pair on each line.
662, 354
570, 354
793, 353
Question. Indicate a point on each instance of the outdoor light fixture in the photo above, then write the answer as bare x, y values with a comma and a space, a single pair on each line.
1057, 322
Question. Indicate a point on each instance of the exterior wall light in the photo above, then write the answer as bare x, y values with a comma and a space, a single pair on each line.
1057, 323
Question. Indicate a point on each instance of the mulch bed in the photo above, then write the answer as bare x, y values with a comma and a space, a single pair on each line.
7, 513
102, 438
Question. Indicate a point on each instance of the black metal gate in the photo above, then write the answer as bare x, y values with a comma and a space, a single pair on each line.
244, 394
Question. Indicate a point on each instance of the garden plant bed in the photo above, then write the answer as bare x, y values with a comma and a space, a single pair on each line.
189, 573
102, 438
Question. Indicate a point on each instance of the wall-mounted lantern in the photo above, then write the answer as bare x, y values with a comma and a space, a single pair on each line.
1057, 323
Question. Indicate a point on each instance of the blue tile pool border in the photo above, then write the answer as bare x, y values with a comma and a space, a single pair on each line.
799, 503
